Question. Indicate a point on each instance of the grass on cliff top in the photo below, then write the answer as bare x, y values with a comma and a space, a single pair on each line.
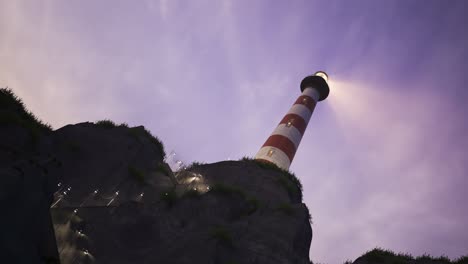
380, 255
287, 174
13, 110
153, 139
135, 132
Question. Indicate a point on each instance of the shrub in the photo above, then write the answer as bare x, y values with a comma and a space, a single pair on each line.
106, 123
137, 174
288, 176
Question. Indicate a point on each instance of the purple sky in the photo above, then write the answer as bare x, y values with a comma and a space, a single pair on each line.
384, 160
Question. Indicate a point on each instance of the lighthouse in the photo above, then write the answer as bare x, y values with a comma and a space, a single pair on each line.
282, 144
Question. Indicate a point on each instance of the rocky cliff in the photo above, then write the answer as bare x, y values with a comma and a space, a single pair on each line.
113, 199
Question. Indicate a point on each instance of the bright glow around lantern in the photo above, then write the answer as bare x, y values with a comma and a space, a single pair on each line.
322, 74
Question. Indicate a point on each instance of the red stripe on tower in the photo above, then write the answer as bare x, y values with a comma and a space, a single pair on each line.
282, 145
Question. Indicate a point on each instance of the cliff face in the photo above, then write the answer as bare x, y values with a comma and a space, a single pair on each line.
113, 199
227, 212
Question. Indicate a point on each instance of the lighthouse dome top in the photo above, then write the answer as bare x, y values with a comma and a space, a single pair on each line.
322, 74
318, 81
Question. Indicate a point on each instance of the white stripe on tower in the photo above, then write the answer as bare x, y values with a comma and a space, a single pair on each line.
281, 146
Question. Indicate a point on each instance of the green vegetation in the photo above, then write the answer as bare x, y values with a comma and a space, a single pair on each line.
109, 124
106, 123
13, 111
380, 255
137, 174
288, 180
136, 132
222, 235
10, 102
386, 256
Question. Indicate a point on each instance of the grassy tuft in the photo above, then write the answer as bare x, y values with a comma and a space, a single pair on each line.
136, 132
106, 123
9, 102
287, 175
13, 111
383, 255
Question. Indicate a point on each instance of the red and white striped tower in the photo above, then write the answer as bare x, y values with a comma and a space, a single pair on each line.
281, 146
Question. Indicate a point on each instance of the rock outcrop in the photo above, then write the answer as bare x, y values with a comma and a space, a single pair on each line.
102, 193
